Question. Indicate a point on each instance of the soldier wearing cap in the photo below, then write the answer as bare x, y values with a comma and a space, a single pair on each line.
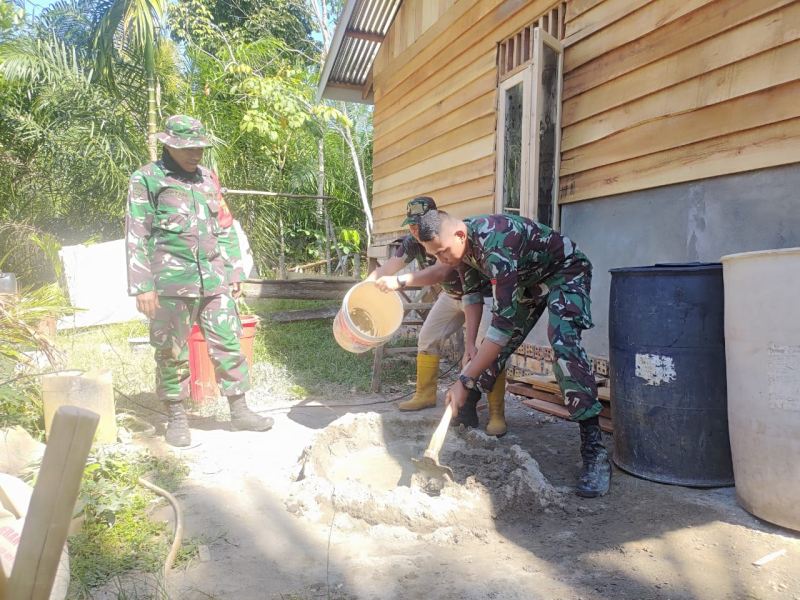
184, 267
445, 318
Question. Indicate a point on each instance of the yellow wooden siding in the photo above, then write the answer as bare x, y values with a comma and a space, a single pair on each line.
435, 109
677, 90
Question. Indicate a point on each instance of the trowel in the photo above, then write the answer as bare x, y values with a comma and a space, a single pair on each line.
429, 465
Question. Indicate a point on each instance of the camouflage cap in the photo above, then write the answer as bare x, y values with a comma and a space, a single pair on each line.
418, 207
181, 131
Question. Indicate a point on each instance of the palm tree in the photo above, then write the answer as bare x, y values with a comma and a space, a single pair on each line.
125, 27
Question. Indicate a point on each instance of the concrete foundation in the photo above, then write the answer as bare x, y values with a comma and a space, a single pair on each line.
696, 221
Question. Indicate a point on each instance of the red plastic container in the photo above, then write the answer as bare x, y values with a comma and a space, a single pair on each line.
202, 381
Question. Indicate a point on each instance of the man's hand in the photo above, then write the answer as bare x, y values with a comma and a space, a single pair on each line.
236, 289
469, 353
388, 283
456, 397
147, 303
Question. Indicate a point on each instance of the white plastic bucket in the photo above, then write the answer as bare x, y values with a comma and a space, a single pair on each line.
92, 390
368, 318
762, 347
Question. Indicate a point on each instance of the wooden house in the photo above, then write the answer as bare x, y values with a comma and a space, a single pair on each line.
646, 130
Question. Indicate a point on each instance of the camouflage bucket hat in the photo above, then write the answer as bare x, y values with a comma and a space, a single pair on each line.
418, 207
181, 131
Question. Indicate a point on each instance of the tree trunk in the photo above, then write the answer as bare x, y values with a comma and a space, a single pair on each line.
362, 188
282, 259
152, 123
322, 213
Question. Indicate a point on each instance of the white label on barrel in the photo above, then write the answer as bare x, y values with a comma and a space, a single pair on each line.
782, 375
655, 369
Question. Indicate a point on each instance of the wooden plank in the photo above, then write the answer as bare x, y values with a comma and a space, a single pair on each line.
576, 8
748, 112
636, 25
765, 33
444, 179
481, 107
767, 146
310, 314
704, 23
434, 90
560, 411
759, 72
452, 139
389, 132
463, 44
459, 155
309, 288
454, 194
600, 17
460, 210
52, 504
558, 401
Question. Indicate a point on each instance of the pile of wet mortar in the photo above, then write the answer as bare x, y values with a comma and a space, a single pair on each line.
360, 465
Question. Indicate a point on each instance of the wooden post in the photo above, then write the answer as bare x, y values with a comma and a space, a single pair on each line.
357, 266
377, 365
282, 259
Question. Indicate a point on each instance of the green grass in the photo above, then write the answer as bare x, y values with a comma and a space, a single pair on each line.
117, 536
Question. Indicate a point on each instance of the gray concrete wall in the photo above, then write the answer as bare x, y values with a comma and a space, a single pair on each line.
697, 221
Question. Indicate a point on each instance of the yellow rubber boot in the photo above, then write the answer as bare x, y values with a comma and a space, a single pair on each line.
497, 407
427, 378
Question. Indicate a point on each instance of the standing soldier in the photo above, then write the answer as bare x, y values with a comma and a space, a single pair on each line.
184, 266
532, 268
445, 318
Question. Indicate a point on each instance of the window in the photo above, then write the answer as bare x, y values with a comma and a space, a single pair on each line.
529, 124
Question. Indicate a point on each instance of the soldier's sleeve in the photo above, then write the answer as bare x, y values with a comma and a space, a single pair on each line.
228, 243
405, 250
471, 281
501, 263
138, 242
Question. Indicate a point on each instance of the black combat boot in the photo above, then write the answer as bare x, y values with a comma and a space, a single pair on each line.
468, 413
244, 419
177, 425
596, 472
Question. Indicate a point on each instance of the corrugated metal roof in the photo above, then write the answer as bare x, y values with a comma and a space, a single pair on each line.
361, 27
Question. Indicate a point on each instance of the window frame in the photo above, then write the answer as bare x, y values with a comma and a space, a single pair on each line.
533, 106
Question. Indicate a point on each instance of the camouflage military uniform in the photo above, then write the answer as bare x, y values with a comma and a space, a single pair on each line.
181, 244
533, 268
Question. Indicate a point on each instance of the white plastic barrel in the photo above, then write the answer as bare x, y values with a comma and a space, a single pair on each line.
368, 318
762, 346
92, 390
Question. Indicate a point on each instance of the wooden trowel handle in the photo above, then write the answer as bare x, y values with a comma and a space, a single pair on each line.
441, 432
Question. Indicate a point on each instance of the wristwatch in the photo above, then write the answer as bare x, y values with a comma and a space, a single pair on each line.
401, 281
468, 382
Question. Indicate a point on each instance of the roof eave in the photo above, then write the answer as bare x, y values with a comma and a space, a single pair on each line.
333, 51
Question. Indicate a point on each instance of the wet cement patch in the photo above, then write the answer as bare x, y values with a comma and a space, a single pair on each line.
360, 467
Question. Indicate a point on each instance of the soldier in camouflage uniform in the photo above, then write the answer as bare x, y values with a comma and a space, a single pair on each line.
532, 268
184, 266
445, 318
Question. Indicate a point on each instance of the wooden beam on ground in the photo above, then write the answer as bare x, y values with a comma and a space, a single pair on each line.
364, 35
308, 288
562, 412
291, 316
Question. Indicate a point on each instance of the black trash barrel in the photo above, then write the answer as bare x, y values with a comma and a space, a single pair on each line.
667, 374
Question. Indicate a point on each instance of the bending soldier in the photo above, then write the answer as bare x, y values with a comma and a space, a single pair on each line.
532, 268
184, 266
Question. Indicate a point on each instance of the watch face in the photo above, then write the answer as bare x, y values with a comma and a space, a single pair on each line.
468, 383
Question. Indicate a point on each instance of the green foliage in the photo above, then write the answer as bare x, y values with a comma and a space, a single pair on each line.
117, 535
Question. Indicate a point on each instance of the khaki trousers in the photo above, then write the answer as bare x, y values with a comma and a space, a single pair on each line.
447, 317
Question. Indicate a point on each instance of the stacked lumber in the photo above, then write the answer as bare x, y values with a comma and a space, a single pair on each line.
542, 393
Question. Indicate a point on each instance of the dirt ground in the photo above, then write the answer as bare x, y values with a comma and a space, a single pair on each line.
641, 541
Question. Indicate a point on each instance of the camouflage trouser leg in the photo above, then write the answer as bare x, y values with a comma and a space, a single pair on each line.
169, 334
570, 313
569, 305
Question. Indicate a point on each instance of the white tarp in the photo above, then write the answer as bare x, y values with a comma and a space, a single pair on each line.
97, 280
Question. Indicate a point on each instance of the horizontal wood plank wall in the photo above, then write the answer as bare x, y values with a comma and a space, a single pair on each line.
658, 92
435, 108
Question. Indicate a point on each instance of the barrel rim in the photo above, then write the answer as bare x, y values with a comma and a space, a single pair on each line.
759, 254
675, 268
